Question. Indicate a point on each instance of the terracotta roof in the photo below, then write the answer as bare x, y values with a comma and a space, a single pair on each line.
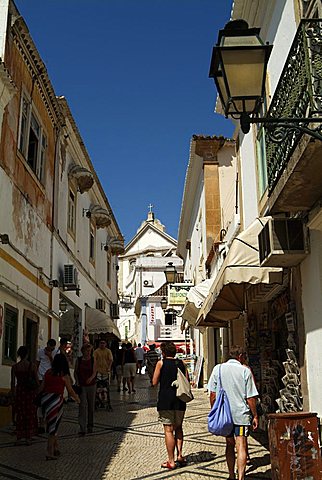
212, 137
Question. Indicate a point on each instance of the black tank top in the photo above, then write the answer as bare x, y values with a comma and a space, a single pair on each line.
167, 394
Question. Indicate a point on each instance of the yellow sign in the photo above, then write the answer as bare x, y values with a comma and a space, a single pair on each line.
178, 293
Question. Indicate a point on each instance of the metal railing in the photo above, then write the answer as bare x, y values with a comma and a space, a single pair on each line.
298, 94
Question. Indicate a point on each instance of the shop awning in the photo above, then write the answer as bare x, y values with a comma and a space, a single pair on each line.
99, 322
194, 301
241, 268
83, 177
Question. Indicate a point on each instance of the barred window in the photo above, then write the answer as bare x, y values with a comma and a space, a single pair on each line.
10, 334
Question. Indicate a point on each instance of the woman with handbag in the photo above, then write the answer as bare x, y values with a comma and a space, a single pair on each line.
55, 381
85, 376
24, 386
170, 408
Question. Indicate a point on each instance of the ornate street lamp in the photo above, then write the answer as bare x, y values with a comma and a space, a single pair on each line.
170, 273
164, 303
238, 67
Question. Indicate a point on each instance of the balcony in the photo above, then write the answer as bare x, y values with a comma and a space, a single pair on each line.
171, 332
294, 158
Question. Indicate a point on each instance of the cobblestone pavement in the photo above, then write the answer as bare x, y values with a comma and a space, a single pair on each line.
127, 444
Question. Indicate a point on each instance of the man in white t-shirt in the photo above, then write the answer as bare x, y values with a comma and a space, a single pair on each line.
238, 382
45, 358
139, 352
43, 361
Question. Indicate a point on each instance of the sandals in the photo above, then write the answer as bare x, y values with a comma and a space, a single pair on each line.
49, 457
182, 462
168, 466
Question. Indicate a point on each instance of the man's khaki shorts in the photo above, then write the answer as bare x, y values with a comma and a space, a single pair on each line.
171, 417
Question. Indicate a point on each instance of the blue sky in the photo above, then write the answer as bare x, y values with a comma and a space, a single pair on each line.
135, 74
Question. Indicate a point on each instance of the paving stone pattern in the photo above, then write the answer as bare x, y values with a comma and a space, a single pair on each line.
127, 444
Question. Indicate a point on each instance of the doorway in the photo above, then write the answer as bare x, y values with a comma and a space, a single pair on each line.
31, 327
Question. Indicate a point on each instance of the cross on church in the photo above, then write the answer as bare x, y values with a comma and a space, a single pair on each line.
150, 207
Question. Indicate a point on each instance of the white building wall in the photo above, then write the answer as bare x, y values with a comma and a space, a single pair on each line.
311, 271
281, 30
4, 5
249, 206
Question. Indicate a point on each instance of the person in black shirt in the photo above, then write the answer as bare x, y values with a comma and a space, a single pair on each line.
151, 359
171, 410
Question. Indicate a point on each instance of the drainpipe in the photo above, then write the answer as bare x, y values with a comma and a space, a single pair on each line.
143, 321
54, 222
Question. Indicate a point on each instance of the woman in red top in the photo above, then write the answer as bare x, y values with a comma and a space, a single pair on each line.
55, 380
85, 376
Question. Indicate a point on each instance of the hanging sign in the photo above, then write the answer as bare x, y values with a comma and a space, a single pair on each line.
178, 293
152, 314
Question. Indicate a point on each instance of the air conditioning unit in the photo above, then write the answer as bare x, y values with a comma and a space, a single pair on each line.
282, 242
70, 277
101, 304
148, 283
114, 310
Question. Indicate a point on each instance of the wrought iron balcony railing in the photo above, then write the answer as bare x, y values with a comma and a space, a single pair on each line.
298, 95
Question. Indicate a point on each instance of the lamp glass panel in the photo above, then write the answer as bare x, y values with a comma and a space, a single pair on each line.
222, 88
170, 273
238, 106
242, 41
244, 71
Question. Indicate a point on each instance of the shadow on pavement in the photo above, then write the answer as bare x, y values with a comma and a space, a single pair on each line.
200, 457
257, 463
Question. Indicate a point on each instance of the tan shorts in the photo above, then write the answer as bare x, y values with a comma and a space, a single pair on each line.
171, 417
129, 370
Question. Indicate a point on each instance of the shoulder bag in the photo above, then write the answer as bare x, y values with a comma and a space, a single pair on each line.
183, 387
220, 421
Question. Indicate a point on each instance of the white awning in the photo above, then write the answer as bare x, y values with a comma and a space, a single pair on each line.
226, 298
194, 301
99, 322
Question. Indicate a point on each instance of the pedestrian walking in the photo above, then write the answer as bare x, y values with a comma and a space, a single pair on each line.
45, 357
119, 360
104, 359
129, 367
24, 387
238, 382
171, 410
139, 352
85, 376
44, 360
55, 381
151, 359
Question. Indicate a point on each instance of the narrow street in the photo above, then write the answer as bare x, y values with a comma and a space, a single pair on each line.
127, 444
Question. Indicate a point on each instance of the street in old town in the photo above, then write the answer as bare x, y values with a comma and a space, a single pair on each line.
128, 443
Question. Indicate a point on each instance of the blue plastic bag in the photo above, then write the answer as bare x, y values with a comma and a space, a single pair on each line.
220, 421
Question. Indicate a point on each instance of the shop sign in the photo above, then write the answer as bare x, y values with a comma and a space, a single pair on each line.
178, 293
152, 314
